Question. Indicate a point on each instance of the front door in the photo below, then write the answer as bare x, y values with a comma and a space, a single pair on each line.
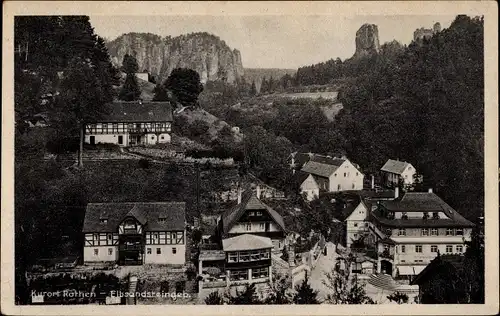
120, 140
92, 140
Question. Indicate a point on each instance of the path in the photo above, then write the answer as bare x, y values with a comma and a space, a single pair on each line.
324, 265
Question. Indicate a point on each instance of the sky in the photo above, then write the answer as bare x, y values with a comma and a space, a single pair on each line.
281, 41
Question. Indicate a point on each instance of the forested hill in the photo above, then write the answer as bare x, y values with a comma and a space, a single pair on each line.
425, 104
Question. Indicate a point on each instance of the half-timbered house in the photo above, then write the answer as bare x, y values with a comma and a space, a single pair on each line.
132, 123
135, 233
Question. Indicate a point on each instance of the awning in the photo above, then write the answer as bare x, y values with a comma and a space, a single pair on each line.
410, 270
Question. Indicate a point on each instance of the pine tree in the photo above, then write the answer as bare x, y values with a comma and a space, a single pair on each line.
253, 89
214, 298
246, 297
305, 294
130, 90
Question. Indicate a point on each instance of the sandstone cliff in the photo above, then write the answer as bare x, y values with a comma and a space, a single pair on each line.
205, 53
367, 41
422, 33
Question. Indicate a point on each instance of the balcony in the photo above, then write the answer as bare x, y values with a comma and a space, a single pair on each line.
386, 254
137, 130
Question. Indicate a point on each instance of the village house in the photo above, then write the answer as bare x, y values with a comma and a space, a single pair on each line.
306, 185
440, 267
333, 174
247, 236
135, 233
142, 75
132, 123
395, 172
413, 229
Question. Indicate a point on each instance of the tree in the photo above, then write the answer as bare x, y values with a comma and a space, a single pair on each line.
185, 85
246, 297
129, 64
398, 297
253, 89
345, 289
214, 298
279, 293
305, 294
130, 90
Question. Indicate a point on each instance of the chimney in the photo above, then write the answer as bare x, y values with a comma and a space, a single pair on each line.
239, 196
373, 182
396, 192
291, 256
258, 191
430, 190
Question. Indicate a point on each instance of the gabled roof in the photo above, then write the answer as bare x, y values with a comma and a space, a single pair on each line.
147, 213
423, 202
321, 169
249, 201
138, 112
246, 242
395, 166
300, 177
454, 261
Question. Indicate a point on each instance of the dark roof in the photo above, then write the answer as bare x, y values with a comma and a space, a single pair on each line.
138, 112
376, 194
299, 177
301, 158
320, 169
422, 202
395, 166
455, 261
147, 213
249, 201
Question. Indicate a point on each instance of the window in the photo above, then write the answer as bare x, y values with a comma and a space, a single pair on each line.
435, 215
96, 252
251, 213
158, 251
174, 250
244, 256
258, 213
404, 215
260, 273
366, 224
459, 232
418, 248
180, 238
403, 248
104, 220
434, 232
356, 174
449, 248
248, 226
148, 251
232, 257
155, 238
264, 254
345, 174
110, 237
425, 232
353, 185
355, 235
402, 232
355, 224
255, 255
162, 219
339, 187
460, 249
449, 232
162, 137
236, 275
434, 248
261, 226
110, 251
335, 174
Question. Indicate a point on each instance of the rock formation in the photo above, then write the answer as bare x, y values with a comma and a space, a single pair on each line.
367, 41
205, 53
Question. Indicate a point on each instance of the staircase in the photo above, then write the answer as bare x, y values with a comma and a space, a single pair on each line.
383, 281
132, 286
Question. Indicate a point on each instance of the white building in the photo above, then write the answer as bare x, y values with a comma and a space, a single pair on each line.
334, 174
135, 233
395, 171
132, 123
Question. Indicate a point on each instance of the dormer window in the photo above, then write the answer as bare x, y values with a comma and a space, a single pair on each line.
104, 220
435, 215
162, 219
258, 213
